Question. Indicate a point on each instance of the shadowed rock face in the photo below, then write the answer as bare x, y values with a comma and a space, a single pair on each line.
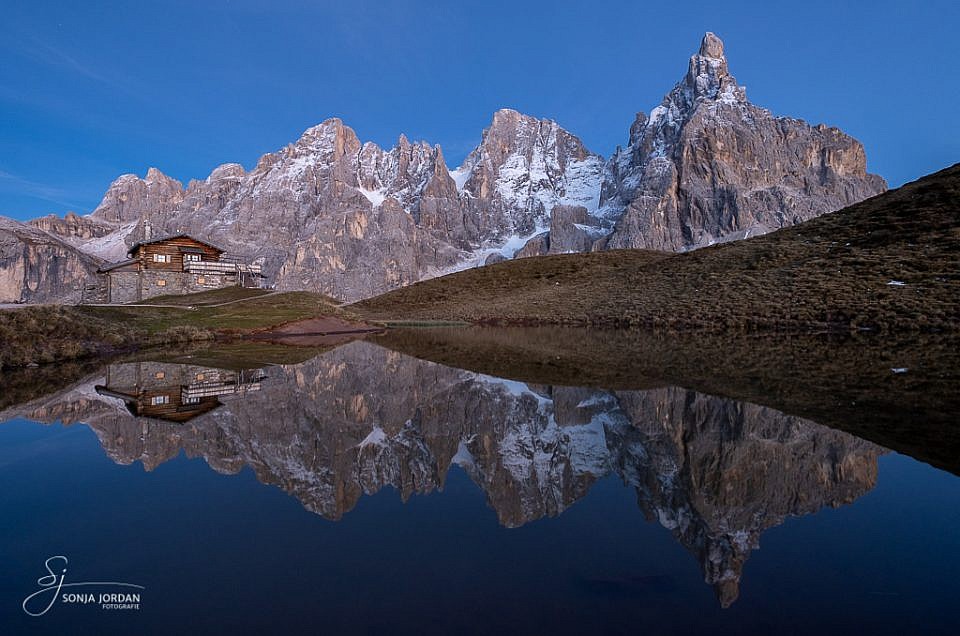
709, 166
714, 471
72, 227
36, 266
331, 214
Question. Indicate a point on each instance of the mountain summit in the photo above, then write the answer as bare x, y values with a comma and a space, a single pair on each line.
708, 166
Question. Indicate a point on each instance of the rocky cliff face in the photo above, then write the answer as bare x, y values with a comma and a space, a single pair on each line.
72, 226
36, 266
708, 166
89, 234
130, 198
332, 214
715, 472
329, 213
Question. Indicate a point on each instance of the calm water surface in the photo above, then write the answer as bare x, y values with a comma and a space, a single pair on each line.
367, 491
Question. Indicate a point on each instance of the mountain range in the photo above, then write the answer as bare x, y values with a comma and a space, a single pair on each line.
331, 214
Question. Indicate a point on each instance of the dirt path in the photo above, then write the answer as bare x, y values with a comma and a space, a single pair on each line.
190, 307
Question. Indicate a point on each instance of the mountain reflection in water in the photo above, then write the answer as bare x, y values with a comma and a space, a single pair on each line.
716, 472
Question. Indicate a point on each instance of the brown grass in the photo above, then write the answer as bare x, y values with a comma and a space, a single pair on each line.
48, 334
44, 334
828, 273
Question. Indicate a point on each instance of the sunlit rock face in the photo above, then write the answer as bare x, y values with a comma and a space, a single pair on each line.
331, 214
713, 471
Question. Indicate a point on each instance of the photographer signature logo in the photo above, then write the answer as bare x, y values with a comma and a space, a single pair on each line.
109, 595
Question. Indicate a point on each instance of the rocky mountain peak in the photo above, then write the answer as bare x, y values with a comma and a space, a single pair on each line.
711, 46
507, 116
155, 176
708, 165
129, 196
330, 139
523, 167
708, 76
231, 171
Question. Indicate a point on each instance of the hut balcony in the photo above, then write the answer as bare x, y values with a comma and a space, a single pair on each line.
223, 266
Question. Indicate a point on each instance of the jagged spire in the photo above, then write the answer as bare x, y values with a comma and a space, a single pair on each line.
708, 76
711, 46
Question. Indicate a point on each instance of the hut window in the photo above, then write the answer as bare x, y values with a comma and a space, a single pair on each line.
201, 280
160, 399
161, 283
192, 257
161, 258
200, 377
160, 375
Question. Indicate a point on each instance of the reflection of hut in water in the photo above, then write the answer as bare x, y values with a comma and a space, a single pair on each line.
175, 392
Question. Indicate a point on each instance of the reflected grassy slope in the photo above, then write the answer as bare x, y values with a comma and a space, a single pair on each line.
846, 382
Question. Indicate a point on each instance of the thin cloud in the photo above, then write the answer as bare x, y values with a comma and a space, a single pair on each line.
49, 54
18, 185
43, 52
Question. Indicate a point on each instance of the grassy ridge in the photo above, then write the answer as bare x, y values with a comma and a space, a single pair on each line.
834, 272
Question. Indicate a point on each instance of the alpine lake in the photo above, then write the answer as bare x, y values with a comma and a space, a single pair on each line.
489, 481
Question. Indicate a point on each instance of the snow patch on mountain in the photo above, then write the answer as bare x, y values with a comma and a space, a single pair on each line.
110, 247
460, 176
376, 197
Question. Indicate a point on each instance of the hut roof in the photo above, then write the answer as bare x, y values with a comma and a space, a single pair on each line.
163, 239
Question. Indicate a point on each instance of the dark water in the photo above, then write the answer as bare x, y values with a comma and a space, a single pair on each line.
367, 491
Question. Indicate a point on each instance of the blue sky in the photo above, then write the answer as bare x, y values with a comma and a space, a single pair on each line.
91, 92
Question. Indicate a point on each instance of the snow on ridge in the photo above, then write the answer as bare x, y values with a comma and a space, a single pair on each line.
583, 180
507, 248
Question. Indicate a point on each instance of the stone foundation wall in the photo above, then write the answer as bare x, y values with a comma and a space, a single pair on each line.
96, 290
124, 287
147, 376
128, 287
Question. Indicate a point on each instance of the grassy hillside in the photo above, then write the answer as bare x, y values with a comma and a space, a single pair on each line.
44, 334
257, 312
889, 263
